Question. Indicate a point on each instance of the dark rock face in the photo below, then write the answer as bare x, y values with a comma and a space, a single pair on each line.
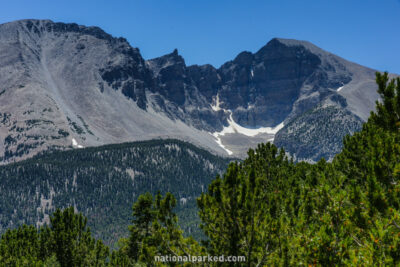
180, 88
130, 75
170, 73
206, 79
259, 89
269, 80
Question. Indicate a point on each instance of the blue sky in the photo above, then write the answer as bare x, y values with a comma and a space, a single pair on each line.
215, 31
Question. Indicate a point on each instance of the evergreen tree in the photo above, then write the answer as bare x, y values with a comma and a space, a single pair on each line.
66, 242
155, 231
238, 214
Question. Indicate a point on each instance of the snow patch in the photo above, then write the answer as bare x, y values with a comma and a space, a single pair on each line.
183, 201
340, 88
216, 107
219, 142
233, 127
75, 143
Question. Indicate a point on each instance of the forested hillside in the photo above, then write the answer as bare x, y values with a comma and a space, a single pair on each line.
267, 208
103, 182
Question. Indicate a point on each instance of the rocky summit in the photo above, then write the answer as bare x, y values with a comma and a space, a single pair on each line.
69, 86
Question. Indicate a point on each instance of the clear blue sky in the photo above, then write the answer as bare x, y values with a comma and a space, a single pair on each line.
215, 31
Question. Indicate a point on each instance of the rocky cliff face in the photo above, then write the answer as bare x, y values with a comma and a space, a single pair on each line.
66, 85
263, 86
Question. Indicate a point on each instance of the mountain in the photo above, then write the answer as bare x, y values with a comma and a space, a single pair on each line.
70, 86
103, 183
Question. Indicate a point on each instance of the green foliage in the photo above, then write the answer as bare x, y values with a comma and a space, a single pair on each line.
20, 246
72, 240
67, 242
237, 215
387, 113
155, 231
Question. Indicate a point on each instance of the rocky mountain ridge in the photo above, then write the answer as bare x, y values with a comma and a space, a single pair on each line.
66, 85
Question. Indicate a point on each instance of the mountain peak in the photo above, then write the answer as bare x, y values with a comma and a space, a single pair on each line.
244, 58
175, 56
298, 43
290, 42
156, 64
38, 26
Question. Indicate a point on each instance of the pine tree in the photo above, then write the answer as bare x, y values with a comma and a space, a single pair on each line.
155, 231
